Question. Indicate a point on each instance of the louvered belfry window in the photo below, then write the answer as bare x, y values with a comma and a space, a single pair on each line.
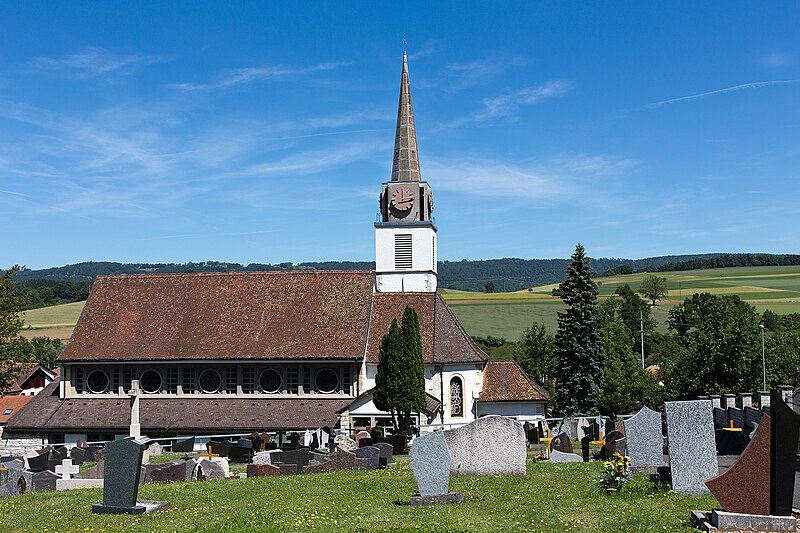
402, 251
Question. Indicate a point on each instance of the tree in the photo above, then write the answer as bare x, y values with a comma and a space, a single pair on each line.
489, 286
722, 347
579, 347
10, 324
42, 350
631, 311
653, 288
400, 380
536, 354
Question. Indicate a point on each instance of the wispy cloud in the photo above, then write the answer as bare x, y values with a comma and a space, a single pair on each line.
559, 179
480, 71
241, 76
93, 62
735, 88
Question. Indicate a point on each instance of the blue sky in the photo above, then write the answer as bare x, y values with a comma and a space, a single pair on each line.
260, 132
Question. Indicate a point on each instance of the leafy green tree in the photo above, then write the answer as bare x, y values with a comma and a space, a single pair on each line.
536, 354
42, 350
400, 380
10, 324
631, 311
488, 286
579, 347
771, 320
653, 288
782, 354
722, 347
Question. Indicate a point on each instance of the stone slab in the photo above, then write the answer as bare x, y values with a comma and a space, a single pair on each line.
744, 487
261, 470
46, 480
371, 454
431, 462
14, 482
783, 451
208, 470
724, 521
442, 499
644, 439
265, 457
141, 507
561, 457
340, 460
491, 445
69, 484
692, 450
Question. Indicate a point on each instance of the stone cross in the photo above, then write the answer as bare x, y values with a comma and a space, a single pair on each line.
66, 469
136, 428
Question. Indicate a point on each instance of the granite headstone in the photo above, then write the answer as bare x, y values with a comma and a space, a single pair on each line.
491, 445
644, 440
431, 461
561, 457
692, 451
123, 463
371, 454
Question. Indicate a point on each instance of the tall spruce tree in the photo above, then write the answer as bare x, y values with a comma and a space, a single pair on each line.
400, 380
579, 345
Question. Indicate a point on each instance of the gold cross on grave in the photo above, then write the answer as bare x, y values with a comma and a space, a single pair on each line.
210, 453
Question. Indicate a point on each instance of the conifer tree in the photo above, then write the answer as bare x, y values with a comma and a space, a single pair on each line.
400, 380
579, 345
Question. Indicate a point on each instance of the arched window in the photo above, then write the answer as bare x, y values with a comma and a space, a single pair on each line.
456, 397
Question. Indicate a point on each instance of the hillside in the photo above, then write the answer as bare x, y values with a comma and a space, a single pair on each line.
508, 274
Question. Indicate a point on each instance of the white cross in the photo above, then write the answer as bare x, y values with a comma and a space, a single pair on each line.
66, 469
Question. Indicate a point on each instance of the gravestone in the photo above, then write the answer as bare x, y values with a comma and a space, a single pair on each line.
399, 443
744, 487
46, 480
736, 416
299, 457
340, 460
14, 482
219, 447
95, 472
123, 463
593, 430
751, 418
560, 457
13, 462
289, 469
692, 450
267, 457
172, 472
783, 451
491, 445
371, 454
561, 443
345, 443
209, 470
386, 451
431, 462
39, 463
93, 453
78, 455
262, 470
586, 442
241, 454
644, 439
720, 418
614, 443
184, 446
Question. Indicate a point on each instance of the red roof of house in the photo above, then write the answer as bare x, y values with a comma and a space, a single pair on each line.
506, 381
255, 315
15, 403
23, 374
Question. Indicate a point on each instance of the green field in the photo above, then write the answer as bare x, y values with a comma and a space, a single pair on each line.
551, 497
509, 314
56, 321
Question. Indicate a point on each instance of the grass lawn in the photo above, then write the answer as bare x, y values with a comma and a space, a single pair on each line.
552, 497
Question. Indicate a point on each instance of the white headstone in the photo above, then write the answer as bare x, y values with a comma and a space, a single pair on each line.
66, 469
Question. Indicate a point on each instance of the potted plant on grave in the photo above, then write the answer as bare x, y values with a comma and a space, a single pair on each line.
616, 473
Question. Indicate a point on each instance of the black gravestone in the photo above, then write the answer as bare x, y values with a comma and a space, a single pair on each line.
219, 447
240, 454
294, 442
365, 441
736, 416
561, 443
300, 457
184, 446
123, 468
585, 442
593, 430
720, 418
39, 463
78, 455
91, 453
785, 434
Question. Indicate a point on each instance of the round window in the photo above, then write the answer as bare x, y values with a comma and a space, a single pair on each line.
97, 381
327, 380
210, 380
150, 381
270, 380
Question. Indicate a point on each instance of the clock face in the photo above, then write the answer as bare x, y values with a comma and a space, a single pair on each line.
402, 199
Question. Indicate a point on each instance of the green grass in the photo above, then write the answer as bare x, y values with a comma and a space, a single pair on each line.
552, 497
54, 316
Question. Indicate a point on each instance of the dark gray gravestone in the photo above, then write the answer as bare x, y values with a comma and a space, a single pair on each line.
184, 446
644, 439
371, 454
93, 453
299, 457
173, 471
123, 463
720, 417
40, 462
785, 434
562, 443
78, 455
14, 482
219, 447
340, 460
385, 457
44, 481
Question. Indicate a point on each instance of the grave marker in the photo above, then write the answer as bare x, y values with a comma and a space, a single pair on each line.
692, 450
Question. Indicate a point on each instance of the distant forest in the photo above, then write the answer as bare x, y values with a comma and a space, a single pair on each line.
71, 283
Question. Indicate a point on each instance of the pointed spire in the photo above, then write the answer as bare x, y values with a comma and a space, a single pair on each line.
405, 166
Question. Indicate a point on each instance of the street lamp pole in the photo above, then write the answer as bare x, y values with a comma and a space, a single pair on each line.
641, 333
763, 358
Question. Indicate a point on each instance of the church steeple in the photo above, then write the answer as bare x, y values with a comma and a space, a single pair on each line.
405, 166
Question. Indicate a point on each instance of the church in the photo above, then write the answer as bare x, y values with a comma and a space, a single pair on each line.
236, 352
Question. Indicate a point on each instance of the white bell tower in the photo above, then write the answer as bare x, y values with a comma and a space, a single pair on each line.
405, 236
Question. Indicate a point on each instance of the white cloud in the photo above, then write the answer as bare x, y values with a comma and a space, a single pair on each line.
507, 103
735, 88
241, 76
95, 62
479, 71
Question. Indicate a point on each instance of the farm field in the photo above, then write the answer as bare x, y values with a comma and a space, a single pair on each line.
56, 322
551, 497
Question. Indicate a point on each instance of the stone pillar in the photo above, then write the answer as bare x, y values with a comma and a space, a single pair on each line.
745, 399
763, 399
785, 392
728, 400
716, 401
136, 428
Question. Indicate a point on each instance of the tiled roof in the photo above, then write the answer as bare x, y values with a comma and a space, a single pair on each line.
506, 381
187, 415
443, 338
37, 411
432, 403
15, 403
251, 315
24, 372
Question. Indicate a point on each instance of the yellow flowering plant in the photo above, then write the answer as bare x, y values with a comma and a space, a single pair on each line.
616, 472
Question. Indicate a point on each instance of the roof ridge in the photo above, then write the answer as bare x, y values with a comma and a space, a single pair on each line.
461, 329
233, 273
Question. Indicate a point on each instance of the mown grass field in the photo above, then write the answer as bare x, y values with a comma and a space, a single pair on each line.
552, 497
509, 314
56, 321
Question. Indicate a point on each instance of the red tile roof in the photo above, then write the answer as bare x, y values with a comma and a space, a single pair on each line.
15, 403
251, 315
443, 338
506, 381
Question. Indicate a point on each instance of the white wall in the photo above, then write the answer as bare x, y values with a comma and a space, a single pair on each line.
422, 275
520, 410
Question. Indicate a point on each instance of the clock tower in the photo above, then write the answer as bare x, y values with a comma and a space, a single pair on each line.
405, 235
